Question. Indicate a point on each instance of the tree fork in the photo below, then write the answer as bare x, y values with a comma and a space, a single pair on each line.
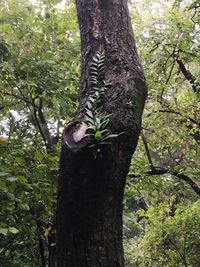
90, 194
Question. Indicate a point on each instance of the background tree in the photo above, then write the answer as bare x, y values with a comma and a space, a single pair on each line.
166, 188
39, 75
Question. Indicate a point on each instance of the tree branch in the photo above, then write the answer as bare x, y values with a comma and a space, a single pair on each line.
42, 124
188, 180
187, 74
181, 176
195, 135
17, 97
176, 113
35, 108
147, 150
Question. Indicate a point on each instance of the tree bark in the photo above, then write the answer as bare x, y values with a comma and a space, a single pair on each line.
90, 195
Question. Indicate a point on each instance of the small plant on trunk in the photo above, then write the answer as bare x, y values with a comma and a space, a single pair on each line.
97, 121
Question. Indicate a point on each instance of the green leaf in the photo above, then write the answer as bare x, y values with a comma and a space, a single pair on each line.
3, 231
12, 179
13, 230
89, 113
2, 174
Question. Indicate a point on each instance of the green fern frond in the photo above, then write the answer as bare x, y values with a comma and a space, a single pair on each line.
97, 121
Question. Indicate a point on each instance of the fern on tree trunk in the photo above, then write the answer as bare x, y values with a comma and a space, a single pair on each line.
90, 195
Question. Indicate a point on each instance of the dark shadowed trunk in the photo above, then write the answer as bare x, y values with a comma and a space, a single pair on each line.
89, 206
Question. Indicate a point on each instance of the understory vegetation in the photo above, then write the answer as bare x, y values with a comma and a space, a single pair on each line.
39, 93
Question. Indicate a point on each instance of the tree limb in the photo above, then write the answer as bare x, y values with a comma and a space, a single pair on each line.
187, 74
174, 112
181, 176
147, 150
35, 108
195, 135
42, 124
188, 180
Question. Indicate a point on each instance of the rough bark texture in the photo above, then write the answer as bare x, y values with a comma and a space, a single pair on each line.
89, 206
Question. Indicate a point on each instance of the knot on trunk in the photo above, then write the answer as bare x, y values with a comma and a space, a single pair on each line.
74, 135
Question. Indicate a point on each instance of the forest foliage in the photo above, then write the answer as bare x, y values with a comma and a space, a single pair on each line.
39, 82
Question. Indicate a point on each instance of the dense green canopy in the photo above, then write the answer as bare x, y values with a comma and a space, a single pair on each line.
39, 81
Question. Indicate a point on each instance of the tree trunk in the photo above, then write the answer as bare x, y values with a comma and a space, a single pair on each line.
90, 195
